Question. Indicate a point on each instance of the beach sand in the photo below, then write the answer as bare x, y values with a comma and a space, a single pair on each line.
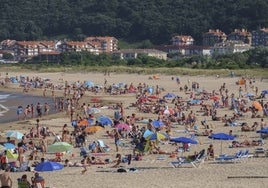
152, 172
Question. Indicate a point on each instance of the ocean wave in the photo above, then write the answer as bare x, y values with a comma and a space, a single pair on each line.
3, 109
4, 96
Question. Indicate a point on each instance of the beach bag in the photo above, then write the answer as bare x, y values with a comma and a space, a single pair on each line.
138, 158
116, 115
121, 170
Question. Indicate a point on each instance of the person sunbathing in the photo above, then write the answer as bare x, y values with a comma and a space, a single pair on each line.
68, 163
246, 143
246, 128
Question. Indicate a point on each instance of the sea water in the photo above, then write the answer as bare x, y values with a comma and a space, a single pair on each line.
9, 103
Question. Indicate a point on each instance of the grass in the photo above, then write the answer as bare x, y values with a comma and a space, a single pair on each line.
136, 70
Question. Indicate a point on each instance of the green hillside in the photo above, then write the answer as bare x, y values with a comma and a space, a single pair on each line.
130, 20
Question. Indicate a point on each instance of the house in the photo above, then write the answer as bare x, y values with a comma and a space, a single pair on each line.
182, 40
184, 50
49, 56
104, 44
2, 52
26, 49
213, 36
7, 44
29, 49
133, 53
230, 47
240, 35
260, 37
78, 46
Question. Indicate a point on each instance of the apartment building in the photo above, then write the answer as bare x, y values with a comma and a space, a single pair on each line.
260, 37
182, 40
213, 37
104, 44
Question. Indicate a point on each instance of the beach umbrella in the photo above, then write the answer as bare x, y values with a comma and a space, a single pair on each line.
89, 84
183, 140
157, 136
144, 121
122, 126
9, 146
168, 111
263, 131
152, 97
264, 92
93, 129
84, 122
94, 111
215, 98
11, 155
104, 120
2, 148
221, 136
157, 123
147, 133
14, 134
257, 105
170, 95
48, 166
59, 147
95, 99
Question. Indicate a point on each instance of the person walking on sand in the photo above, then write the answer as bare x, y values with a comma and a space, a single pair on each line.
116, 139
5, 179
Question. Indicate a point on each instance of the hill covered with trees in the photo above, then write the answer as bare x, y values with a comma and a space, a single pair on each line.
130, 20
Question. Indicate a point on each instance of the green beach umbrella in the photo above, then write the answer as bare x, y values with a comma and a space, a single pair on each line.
59, 147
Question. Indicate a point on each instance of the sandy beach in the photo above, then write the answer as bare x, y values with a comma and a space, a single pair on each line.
154, 170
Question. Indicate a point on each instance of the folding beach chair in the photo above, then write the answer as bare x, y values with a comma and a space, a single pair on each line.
230, 158
200, 158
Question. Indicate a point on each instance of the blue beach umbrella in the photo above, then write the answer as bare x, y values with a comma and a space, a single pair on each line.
147, 133
170, 95
157, 136
104, 120
183, 140
9, 146
157, 123
15, 134
89, 84
263, 131
221, 136
144, 121
48, 166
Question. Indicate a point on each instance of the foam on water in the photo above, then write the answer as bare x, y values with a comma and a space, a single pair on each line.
4, 96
